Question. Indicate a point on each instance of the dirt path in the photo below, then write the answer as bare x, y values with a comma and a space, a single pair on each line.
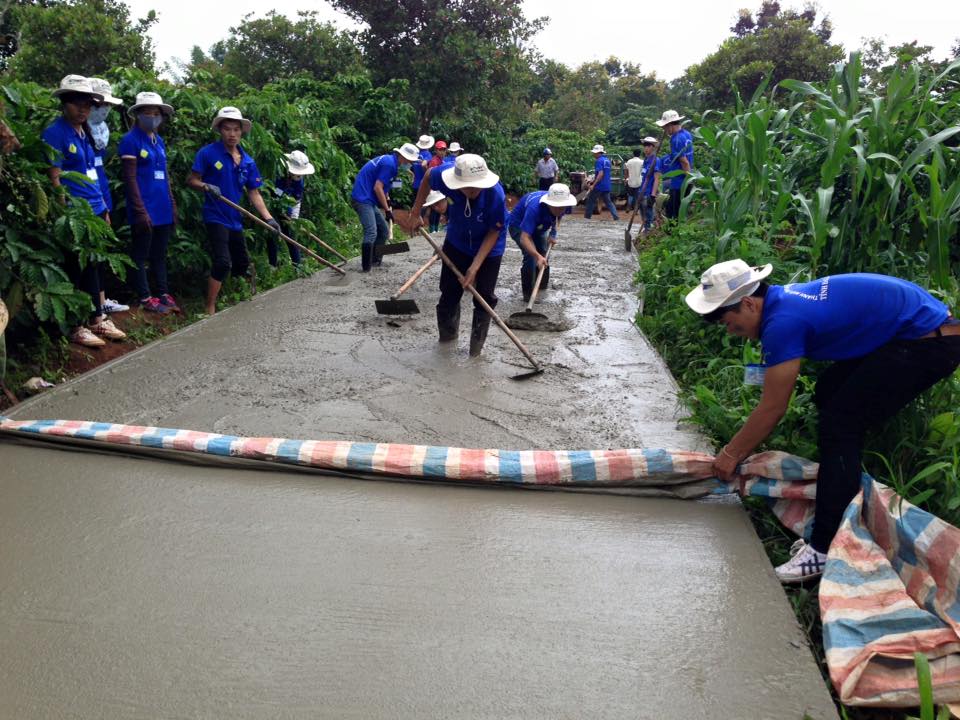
155, 589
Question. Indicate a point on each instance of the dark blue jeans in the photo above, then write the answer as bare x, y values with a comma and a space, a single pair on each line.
149, 245
374, 224
540, 241
592, 203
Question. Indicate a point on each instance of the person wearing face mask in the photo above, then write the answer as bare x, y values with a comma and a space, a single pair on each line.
69, 138
151, 210
475, 240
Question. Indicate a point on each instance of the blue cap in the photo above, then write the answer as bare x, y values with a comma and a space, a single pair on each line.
547, 151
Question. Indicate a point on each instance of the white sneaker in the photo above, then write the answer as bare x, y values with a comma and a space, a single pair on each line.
112, 306
83, 336
805, 563
105, 327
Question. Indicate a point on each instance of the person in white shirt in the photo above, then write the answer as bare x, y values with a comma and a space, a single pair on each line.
547, 170
633, 171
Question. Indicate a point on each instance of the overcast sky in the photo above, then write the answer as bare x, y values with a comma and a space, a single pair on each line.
665, 38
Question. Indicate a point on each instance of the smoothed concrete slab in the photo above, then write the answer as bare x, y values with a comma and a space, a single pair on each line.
143, 588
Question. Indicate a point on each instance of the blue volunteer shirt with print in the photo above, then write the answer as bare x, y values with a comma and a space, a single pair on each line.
469, 221
681, 145
844, 316
419, 170
216, 167
74, 152
99, 161
532, 216
603, 163
383, 168
152, 180
651, 166
291, 187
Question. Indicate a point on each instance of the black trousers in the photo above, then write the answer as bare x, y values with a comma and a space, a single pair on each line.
672, 207
451, 290
545, 183
852, 395
149, 245
228, 250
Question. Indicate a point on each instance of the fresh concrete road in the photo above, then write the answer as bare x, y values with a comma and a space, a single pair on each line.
146, 588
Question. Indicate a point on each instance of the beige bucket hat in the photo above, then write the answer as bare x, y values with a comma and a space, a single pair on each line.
433, 198
558, 195
598, 148
298, 163
103, 88
77, 84
670, 116
469, 171
725, 284
150, 99
425, 142
408, 151
231, 113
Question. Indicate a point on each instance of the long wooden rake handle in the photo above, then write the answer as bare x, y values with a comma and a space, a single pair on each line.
483, 303
536, 285
416, 276
324, 245
307, 250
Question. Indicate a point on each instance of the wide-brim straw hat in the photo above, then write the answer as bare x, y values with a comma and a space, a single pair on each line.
670, 116
102, 87
558, 195
150, 99
231, 113
408, 151
298, 163
77, 84
425, 142
433, 198
469, 171
725, 284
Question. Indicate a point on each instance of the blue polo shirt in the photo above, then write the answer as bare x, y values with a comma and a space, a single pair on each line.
152, 178
651, 166
469, 221
383, 168
216, 167
681, 145
419, 170
603, 163
844, 316
532, 216
74, 153
291, 187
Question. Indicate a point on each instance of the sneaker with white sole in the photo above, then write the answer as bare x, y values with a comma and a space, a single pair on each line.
83, 336
104, 326
154, 305
112, 306
167, 300
804, 564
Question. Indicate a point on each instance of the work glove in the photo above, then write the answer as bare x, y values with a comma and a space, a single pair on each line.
274, 225
389, 215
213, 190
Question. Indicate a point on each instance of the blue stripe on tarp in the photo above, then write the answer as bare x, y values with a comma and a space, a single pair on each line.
658, 461
289, 451
510, 470
909, 527
92, 430
761, 488
360, 456
155, 437
435, 462
849, 633
37, 425
953, 611
221, 444
839, 572
582, 467
792, 469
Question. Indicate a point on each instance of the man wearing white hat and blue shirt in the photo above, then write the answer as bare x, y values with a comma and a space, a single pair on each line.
601, 185
889, 339
475, 241
369, 198
679, 160
420, 167
533, 225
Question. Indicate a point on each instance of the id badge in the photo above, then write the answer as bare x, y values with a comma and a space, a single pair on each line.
754, 374
92, 173
98, 161
396, 183
159, 175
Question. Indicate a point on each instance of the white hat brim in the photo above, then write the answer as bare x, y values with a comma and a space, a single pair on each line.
699, 304
436, 196
306, 170
164, 108
245, 124
454, 183
425, 146
402, 154
569, 202
64, 91
663, 123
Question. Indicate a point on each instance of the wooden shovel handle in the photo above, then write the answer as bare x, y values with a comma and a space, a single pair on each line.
536, 285
307, 250
416, 276
322, 244
483, 303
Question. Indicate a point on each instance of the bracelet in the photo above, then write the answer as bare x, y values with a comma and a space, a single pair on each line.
724, 451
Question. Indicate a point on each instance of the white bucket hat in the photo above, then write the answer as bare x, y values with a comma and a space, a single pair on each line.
725, 284
433, 198
298, 163
469, 171
425, 142
670, 116
76, 84
231, 113
408, 151
150, 99
558, 195
598, 149
455, 147
102, 87
649, 141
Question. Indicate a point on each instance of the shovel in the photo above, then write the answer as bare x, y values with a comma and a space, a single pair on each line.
395, 306
391, 247
626, 233
308, 251
526, 319
537, 367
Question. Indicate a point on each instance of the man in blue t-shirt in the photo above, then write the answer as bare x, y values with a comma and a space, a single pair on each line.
679, 160
224, 169
649, 181
475, 240
600, 187
533, 225
370, 198
890, 340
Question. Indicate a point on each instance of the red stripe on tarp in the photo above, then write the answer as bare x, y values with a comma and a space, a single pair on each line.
546, 468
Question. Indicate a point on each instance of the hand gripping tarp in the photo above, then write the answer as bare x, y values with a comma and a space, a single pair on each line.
891, 583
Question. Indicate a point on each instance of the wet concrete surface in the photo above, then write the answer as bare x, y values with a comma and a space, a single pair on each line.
142, 588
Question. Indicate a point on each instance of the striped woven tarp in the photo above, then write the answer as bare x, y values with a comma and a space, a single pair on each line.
891, 583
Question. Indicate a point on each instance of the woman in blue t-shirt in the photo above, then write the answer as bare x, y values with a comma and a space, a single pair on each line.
290, 185
151, 210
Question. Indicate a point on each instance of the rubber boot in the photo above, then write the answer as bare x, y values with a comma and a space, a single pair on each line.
448, 324
366, 257
526, 282
478, 334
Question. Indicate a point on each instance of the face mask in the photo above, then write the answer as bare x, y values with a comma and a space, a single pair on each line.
149, 123
100, 133
98, 115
